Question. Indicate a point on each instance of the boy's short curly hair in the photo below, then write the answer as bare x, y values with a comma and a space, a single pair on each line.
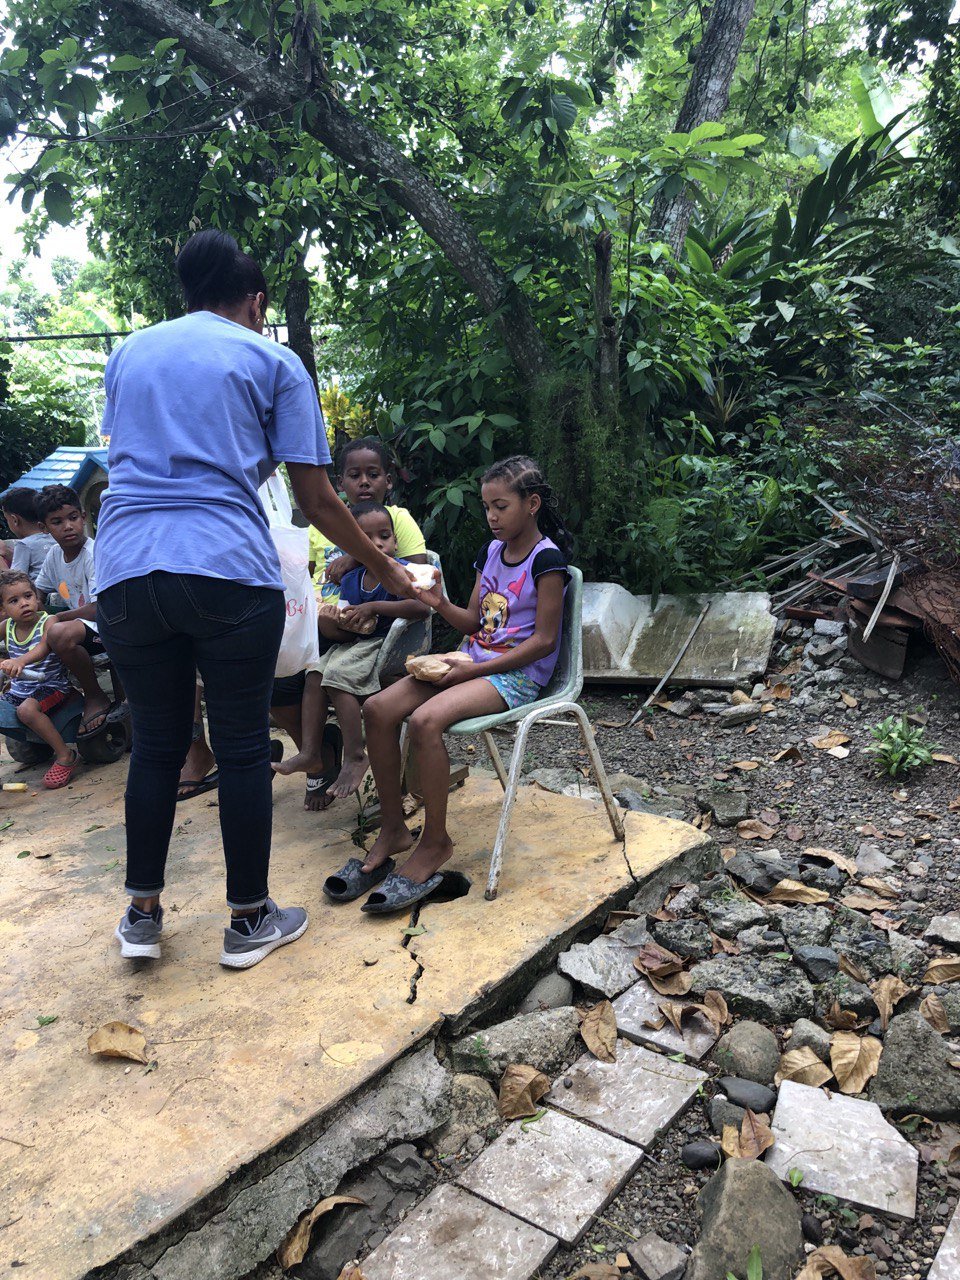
21, 502
13, 578
54, 496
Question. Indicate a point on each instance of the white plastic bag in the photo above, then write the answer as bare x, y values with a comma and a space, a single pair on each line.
298, 648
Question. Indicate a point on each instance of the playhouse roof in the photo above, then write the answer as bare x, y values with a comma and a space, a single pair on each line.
68, 465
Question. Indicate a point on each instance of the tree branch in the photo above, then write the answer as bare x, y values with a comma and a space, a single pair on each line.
351, 140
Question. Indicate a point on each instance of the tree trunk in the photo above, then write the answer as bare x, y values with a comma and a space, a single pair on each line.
608, 338
299, 333
706, 99
280, 87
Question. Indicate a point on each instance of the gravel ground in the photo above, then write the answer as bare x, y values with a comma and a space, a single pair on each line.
838, 803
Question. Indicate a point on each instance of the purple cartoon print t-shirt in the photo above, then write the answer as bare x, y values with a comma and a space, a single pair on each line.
508, 604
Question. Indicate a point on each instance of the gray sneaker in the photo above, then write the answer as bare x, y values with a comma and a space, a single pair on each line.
278, 927
139, 939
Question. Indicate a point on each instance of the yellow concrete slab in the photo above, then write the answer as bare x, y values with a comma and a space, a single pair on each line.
97, 1155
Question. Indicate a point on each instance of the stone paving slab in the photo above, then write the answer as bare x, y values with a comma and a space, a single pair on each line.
288, 1041
456, 1236
844, 1147
556, 1173
635, 1097
638, 1005
946, 1265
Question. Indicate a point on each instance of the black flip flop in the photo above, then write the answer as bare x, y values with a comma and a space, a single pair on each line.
352, 882
398, 892
333, 738
95, 715
198, 787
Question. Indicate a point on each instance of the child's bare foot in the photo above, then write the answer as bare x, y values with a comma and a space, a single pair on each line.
302, 762
426, 861
351, 775
390, 841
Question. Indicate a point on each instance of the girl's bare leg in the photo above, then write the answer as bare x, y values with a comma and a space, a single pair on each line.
383, 714
427, 724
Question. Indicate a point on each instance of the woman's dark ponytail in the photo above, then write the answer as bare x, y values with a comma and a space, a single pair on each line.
214, 272
524, 476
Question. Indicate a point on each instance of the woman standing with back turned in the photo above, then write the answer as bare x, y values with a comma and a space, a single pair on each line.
200, 410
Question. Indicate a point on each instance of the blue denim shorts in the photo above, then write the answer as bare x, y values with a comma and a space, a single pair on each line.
515, 688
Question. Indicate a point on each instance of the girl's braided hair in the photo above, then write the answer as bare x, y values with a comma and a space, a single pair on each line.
523, 475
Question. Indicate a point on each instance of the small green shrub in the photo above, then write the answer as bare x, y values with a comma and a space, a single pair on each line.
898, 746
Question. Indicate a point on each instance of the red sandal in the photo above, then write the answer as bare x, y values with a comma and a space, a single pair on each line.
58, 775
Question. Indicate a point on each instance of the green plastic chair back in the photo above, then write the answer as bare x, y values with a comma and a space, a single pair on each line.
567, 679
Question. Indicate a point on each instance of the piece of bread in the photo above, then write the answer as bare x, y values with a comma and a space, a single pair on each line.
432, 667
423, 575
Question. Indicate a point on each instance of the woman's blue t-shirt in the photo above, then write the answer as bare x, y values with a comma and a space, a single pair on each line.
199, 413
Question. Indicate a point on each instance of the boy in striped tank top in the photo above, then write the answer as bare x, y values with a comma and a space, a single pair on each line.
38, 679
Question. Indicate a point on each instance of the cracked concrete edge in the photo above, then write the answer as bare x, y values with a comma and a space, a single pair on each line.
692, 864
409, 1101
645, 893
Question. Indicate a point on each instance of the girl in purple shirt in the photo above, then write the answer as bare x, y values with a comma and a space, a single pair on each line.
512, 625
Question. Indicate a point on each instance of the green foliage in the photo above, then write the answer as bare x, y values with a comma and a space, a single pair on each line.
754, 1266
34, 419
899, 747
800, 310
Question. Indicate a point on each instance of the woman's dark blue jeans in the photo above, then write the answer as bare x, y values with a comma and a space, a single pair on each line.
159, 630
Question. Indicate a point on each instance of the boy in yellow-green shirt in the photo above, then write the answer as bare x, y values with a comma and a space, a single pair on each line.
366, 475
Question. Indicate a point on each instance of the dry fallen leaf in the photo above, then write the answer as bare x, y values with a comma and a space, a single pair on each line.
351, 1272
840, 1019
831, 739
296, 1242
521, 1088
864, 902
754, 829
770, 817
829, 855
721, 1014
745, 765
740, 699
887, 993
599, 1031
803, 1067
727, 946
830, 1258
848, 699
755, 1137
945, 758
597, 1271
788, 753
942, 970
852, 969
118, 1040
674, 984
782, 691
854, 1060
880, 887
931, 1007
794, 891
793, 831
